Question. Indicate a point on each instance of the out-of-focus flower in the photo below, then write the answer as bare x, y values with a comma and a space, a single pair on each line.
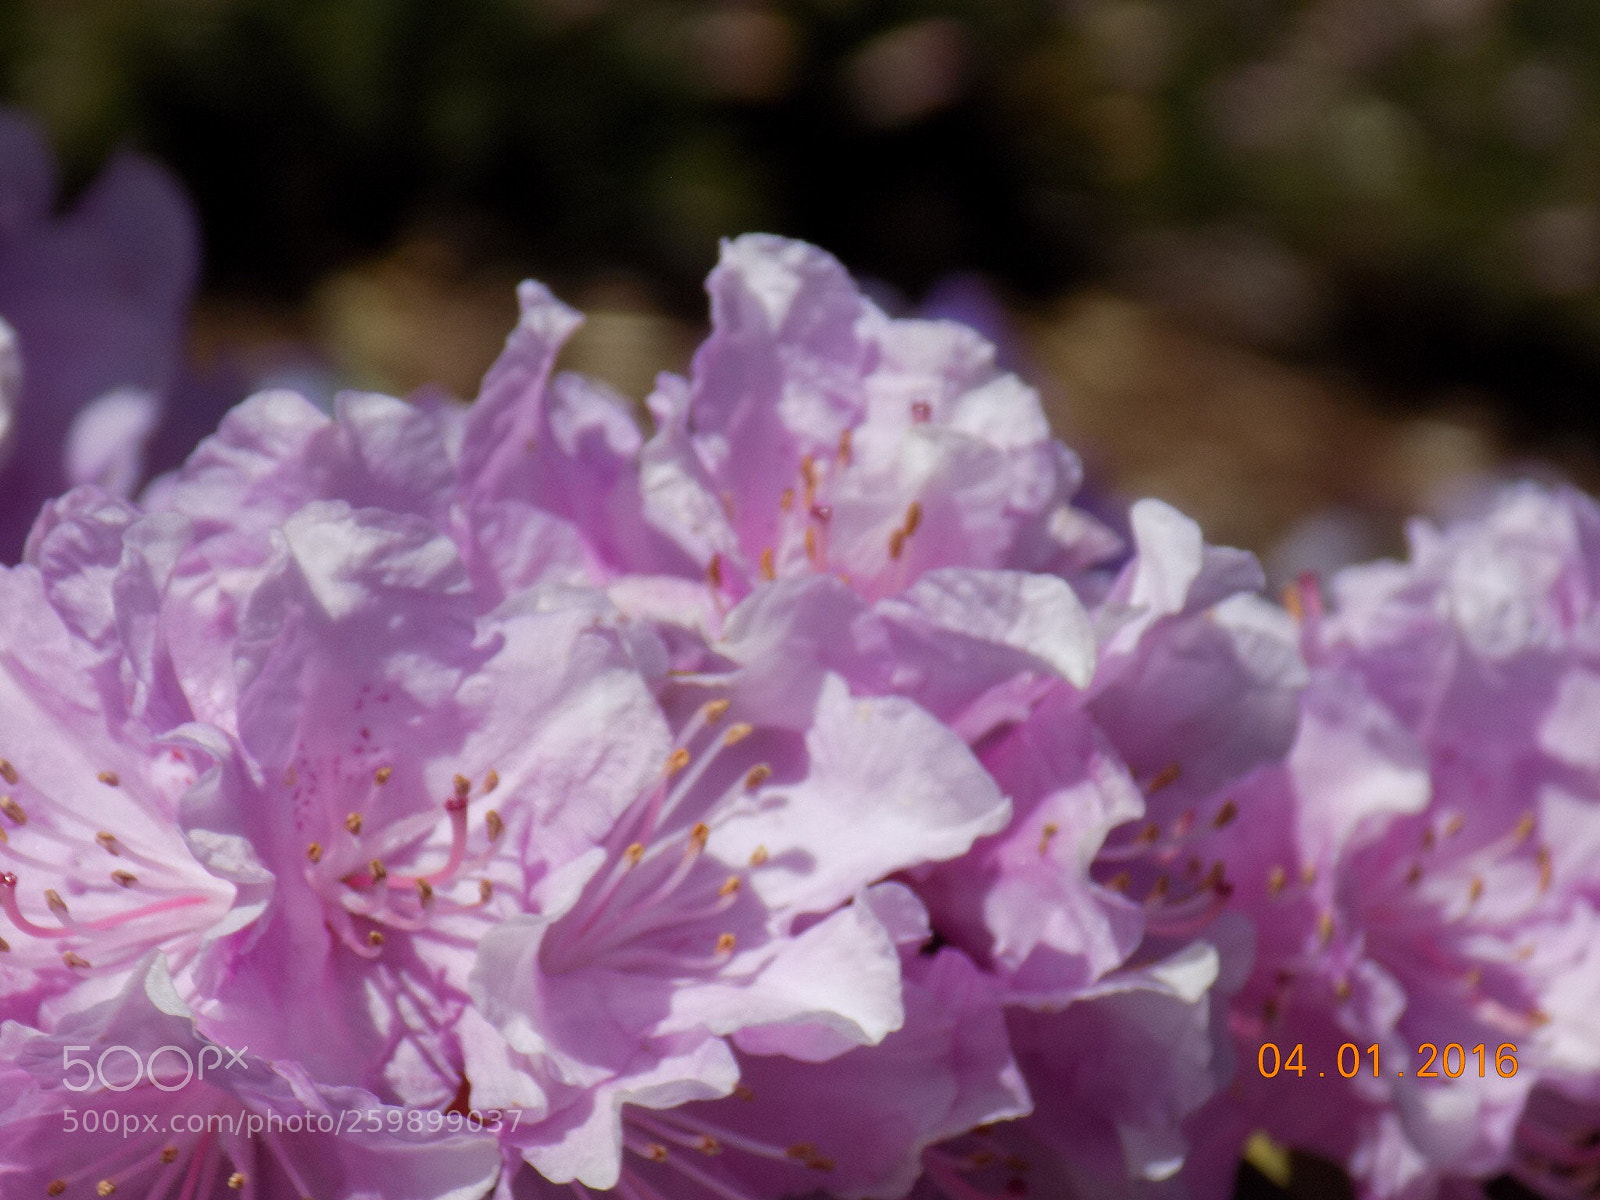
1422, 869
96, 299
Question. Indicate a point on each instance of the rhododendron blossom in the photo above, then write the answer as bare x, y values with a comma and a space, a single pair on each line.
815, 435
96, 869
465, 821
1424, 870
126, 1097
800, 797
815, 444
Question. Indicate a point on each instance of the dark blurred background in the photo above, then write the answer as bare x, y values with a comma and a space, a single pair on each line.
1301, 266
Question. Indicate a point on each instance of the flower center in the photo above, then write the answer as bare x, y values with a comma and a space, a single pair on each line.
377, 874
131, 890
198, 1151
803, 537
1182, 893
655, 902
976, 1167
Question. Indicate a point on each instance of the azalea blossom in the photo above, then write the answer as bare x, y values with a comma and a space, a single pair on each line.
855, 1126
815, 435
1422, 873
127, 1097
803, 797
673, 859
94, 868
836, 492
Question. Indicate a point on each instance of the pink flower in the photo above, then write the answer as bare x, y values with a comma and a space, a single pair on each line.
674, 865
699, 919
127, 1097
857, 1125
1119, 1078
1100, 906
272, 455
549, 472
533, 767
395, 758
1423, 872
1195, 686
843, 493
1101, 885
94, 870
816, 435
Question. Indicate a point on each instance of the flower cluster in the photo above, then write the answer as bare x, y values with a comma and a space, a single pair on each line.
1425, 872
805, 798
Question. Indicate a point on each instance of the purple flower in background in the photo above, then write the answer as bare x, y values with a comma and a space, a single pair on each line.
95, 300
969, 300
1425, 870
